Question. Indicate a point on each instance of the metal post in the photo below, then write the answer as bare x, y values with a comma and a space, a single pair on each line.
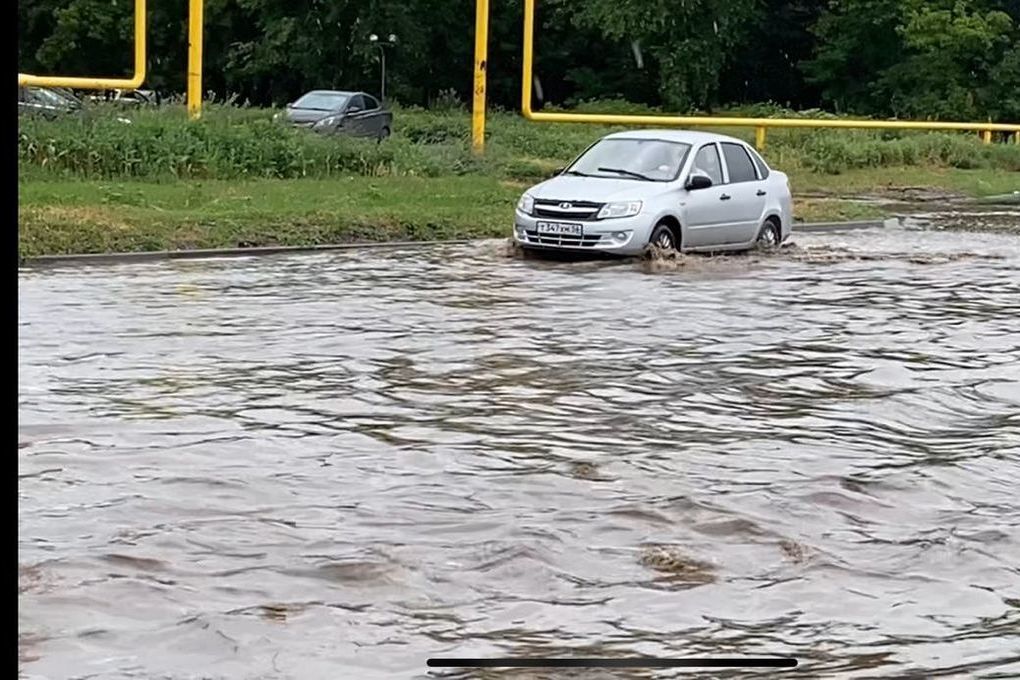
987, 136
481, 70
195, 59
759, 138
382, 61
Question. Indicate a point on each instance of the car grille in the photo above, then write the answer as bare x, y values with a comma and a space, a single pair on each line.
562, 240
581, 211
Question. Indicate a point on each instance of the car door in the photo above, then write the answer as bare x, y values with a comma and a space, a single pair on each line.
706, 212
373, 116
747, 191
354, 118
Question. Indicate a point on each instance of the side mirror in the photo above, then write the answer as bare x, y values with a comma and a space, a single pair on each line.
698, 181
353, 109
557, 172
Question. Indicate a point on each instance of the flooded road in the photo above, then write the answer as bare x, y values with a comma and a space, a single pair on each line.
339, 465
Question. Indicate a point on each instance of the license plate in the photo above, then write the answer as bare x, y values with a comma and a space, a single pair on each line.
561, 228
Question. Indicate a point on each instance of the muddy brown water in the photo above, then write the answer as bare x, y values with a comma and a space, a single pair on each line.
339, 465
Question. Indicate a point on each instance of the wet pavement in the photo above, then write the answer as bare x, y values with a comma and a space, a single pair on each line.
342, 464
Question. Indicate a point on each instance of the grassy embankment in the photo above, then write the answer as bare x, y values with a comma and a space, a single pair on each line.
94, 184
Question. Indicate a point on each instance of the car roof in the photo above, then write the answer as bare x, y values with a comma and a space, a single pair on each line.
346, 93
685, 136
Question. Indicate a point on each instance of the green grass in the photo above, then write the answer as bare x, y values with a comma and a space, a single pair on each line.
71, 216
92, 184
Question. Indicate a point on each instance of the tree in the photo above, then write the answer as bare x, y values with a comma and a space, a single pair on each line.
690, 41
856, 40
952, 48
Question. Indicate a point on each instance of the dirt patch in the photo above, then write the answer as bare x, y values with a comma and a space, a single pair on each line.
92, 215
792, 550
33, 579
590, 472
674, 565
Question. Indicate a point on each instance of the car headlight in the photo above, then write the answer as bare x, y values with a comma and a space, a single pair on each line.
328, 121
615, 210
276, 116
527, 204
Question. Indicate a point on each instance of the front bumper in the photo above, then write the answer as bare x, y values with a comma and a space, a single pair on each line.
626, 236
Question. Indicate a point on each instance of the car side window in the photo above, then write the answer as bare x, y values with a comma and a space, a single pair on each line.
357, 102
707, 162
759, 162
370, 103
739, 164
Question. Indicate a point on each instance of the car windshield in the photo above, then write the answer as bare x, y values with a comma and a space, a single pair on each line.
649, 160
322, 101
50, 98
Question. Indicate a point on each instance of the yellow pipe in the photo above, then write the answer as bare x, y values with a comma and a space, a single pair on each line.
759, 138
481, 70
529, 52
87, 83
195, 58
707, 121
987, 136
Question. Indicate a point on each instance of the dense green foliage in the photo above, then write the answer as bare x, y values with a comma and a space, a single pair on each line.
909, 58
231, 142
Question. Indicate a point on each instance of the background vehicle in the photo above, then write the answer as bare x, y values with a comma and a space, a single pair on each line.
42, 101
127, 97
350, 113
671, 189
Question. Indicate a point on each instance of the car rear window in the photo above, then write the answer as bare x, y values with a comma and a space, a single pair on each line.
738, 163
759, 162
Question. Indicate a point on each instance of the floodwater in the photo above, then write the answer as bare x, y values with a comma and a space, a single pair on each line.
340, 465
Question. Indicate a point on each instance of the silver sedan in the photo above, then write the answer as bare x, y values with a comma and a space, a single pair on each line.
679, 190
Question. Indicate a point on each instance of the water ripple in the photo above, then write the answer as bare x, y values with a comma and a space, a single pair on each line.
300, 466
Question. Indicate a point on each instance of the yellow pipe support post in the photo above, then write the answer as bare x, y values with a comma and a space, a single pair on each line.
759, 138
707, 121
87, 83
481, 73
987, 136
195, 59
529, 52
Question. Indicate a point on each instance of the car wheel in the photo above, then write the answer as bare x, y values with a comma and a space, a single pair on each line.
384, 133
663, 238
769, 236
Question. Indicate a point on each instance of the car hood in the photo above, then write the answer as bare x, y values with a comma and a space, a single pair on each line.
597, 189
307, 115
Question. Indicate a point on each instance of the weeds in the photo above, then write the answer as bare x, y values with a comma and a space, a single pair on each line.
232, 142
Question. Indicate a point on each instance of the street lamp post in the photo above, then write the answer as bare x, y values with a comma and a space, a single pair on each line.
391, 41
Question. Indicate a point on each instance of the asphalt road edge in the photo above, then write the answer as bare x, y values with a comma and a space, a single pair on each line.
157, 255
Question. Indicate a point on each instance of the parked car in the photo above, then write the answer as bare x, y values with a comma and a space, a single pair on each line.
127, 97
350, 113
46, 102
683, 190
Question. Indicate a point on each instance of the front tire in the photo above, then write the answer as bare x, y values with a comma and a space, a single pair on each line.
663, 238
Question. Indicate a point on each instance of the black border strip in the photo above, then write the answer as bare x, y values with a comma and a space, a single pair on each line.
633, 662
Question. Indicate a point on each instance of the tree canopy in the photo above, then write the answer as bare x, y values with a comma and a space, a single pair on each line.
936, 59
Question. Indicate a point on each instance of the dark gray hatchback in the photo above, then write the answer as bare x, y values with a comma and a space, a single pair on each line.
356, 114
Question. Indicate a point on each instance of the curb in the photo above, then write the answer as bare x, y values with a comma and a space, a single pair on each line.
814, 227
159, 255
154, 255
